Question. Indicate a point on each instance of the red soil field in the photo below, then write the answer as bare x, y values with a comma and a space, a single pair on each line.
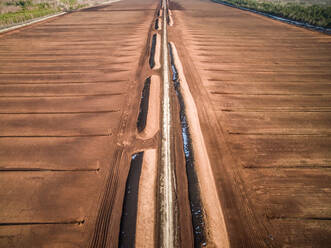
258, 103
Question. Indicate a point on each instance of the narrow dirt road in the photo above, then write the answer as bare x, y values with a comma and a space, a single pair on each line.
165, 124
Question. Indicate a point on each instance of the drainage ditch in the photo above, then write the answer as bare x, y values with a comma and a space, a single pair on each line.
130, 203
142, 117
152, 56
198, 223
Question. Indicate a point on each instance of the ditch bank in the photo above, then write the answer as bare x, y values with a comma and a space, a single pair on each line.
215, 229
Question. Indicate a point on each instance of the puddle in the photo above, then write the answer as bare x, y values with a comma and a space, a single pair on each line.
157, 24
152, 56
129, 212
198, 223
142, 117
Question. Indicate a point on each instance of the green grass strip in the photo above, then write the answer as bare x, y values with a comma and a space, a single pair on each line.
312, 14
29, 10
24, 15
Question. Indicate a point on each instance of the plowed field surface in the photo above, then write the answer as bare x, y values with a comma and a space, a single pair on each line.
262, 89
69, 89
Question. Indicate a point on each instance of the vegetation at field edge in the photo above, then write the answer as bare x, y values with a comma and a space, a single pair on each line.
317, 15
17, 11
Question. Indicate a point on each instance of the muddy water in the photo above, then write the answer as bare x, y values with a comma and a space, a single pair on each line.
142, 117
156, 24
129, 213
152, 55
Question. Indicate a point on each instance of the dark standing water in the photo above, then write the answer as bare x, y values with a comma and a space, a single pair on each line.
156, 24
151, 58
129, 212
144, 101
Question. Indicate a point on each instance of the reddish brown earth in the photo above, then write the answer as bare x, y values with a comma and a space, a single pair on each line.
262, 89
70, 89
